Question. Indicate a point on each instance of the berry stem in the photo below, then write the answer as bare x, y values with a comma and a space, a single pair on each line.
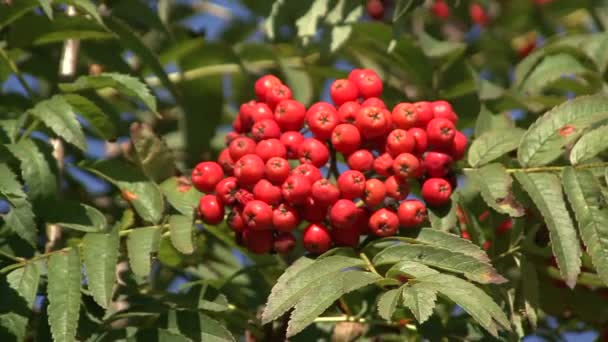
355, 319
550, 168
333, 163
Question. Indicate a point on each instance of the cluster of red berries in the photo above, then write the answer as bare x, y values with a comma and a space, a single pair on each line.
477, 13
270, 175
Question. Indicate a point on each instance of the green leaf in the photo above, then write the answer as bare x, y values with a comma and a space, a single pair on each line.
545, 139
9, 185
100, 253
142, 242
214, 331
124, 83
546, 193
20, 219
100, 122
300, 278
38, 30
444, 217
87, 7
530, 288
420, 300
47, 8
551, 69
321, 296
493, 144
445, 259
58, 115
64, 279
488, 121
25, 281
446, 240
410, 269
144, 195
387, 303
439, 49
171, 336
181, 195
77, 216
590, 145
298, 80
585, 195
182, 233
8, 14
35, 169
495, 186
155, 158
307, 25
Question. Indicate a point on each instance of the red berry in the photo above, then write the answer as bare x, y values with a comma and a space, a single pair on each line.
292, 141
504, 227
362, 223
422, 141
270, 148
465, 235
313, 151
226, 190
313, 211
277, 170
321, 122
342, 91
296, 189
348, 111
361, 160
285, 218
249, 169
384, 223
369, 85
237, 126
235, 220
257, 215
263, 84
323, 191
206, 175
211, 210
411, 213
440, 9
289, 115
276, 94
265, 129
258, 241
311, 172
356, 74
226, 161
371, 121
405, 115
351, 184
425, 113
230, 136
343, 214
284, 243
406, 165
320, 107
243, 197
436, 191
459, 146
316, 239
267, 192
241, 146
440, 132
246, 114
375, 192
346, 138
436, 164
399, 141
348, 237
396, 188
260, 112
443, 109
373, 102
478, 14
375, 9
383, 165
486, 245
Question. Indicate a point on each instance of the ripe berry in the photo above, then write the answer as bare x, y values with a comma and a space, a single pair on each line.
320, 107
373, 102
459, 146
425, 113
246, 114
443, 109
226, 161
263, 84
277, 170
422, 141
313, 151
436, 164
311, 172
351, 184
342, 91
206, 175
285, 218
243, 197
375, 192
211, 210
235, 220
316, 238
249, 169
504, 227
371, 121
436, 191
226, 190
406, 165
411, 213
289, 115
360, 160
478, 14
257, 215
284, 243
369, 85
296, 189
440, 9
270, 148
276, 94
267, 192
348, 111
323, 191
384, 223
405, 115
258, 241
383, 165
313, 211
322, 122
348, 237
260, 112
396, 188
343, 214
346, 138
292, 141
265, 129
240, 147
399, 141
440, 132
375, 9
356, 74
237, 126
